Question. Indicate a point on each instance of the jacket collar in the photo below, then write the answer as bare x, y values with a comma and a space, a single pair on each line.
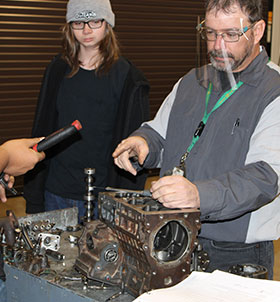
250, 76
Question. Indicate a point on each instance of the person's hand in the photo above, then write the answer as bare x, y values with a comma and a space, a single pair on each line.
175, 192
134, 146
10, 180
21, 156
9, 224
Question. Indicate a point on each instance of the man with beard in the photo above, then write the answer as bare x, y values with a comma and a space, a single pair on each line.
220, 129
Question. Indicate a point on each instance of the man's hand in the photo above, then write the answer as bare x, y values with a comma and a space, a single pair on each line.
134, 146
20, 155
175, 192
16, 158
11, 181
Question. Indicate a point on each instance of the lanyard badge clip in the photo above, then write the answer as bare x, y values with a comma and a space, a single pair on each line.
175, 171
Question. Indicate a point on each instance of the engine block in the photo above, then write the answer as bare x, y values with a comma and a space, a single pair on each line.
137, 243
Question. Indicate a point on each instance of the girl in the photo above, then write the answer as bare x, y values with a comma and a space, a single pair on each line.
92, 83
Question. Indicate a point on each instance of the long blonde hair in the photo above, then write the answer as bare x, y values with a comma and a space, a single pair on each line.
108, 47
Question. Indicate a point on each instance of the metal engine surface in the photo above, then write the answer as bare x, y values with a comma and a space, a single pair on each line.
138, 244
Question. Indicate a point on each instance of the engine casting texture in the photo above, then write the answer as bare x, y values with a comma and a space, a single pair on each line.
138, 243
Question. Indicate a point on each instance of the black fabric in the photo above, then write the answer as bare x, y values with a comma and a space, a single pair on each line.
133, 109
224, 78
2, 273
93, 100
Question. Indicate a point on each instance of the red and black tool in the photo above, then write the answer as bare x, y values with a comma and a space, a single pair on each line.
58, 136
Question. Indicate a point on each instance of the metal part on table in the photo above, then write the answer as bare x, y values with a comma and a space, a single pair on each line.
55, 255
62, 218
24, 259
31, 247
138, 244
249, 270
100, 253
49, 275
73, 239
49, 241
89, 197
200, 259
130, 193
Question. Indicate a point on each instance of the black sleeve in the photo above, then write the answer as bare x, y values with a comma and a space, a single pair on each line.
44, 124
132, 112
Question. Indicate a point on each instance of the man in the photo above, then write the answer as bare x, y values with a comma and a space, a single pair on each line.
220, 125
16, 157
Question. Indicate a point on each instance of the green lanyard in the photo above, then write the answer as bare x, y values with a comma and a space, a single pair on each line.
204, 120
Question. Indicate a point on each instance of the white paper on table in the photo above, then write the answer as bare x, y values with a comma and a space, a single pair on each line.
216, 287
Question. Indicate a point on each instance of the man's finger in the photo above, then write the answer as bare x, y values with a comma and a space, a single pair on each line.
3, 197
123, 162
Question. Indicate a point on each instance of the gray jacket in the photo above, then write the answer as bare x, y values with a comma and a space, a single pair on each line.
232, 185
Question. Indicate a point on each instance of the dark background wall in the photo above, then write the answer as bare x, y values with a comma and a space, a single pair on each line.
159, 36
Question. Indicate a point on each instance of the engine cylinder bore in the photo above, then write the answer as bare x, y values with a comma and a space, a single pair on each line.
170, 242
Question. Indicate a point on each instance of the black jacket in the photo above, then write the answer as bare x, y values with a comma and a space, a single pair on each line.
133, 110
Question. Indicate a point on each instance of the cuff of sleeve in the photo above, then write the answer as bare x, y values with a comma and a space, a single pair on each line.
152, 160
210, 204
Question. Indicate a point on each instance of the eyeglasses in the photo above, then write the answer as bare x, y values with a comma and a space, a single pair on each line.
93, 24
230, 35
